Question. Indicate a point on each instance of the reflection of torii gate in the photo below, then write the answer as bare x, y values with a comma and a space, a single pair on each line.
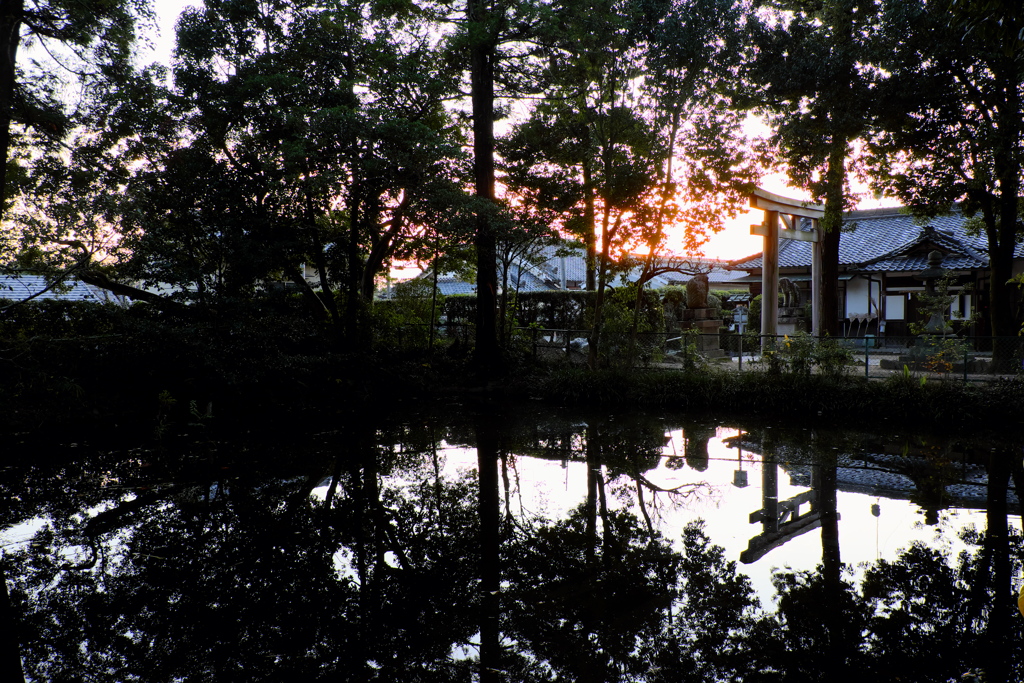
781, 520
790, 211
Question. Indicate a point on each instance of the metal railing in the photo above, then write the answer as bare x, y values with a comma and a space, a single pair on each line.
971, 359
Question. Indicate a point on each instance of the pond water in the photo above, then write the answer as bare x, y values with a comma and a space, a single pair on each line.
512, 544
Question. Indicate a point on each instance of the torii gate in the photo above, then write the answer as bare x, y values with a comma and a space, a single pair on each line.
790, 211
781, 520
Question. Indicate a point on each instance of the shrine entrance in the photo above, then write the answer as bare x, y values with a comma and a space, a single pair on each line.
788, 212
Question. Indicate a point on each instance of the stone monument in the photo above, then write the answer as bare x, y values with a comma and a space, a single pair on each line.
698, 316
791, 314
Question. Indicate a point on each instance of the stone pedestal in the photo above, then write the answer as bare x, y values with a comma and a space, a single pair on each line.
709, 343
791, 320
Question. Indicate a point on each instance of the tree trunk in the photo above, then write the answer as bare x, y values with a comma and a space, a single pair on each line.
503, 324
831, 569
482, 95
490, 583
1007, 166
997, 543
11, 12
593, 470
831, 225
590, 236
354, 263
845, 123
593, 357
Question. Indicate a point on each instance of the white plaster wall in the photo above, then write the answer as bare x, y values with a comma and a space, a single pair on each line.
896, 306
857, 298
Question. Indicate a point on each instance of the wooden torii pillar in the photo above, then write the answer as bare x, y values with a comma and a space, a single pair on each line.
781, 520
789, 211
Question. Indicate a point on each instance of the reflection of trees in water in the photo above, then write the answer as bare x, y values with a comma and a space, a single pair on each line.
238, 574
621, 605
925, 616
697, 437
600, 595
912, 619
244, 586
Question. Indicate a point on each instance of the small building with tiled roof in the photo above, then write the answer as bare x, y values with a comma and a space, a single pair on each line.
881, 251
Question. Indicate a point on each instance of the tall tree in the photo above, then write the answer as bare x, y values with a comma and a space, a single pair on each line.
952, 122
90, 41
484, 33
295, 135
337, 112
490, 45
635, 135
70, 206
811, 80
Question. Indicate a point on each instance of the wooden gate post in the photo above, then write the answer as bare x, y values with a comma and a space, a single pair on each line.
789, 211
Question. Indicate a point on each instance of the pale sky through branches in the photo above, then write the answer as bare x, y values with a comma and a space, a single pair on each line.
167, 13
734, 242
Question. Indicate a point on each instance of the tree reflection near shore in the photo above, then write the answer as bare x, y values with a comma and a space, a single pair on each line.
363, 555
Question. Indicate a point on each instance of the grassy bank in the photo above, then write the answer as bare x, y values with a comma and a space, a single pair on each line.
67, 369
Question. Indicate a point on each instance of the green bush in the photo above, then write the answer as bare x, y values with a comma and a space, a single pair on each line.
560, 310
405, 320
832, 358
754, 314
799, 354
618, 346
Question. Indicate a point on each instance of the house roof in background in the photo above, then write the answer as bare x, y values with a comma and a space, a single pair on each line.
19, 287
448, 285
719, 275
575, 263
545, 274
889, 240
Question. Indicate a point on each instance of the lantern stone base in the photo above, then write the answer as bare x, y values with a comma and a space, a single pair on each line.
791, 320
709, 343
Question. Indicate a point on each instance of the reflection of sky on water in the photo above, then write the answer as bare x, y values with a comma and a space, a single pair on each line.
550, 488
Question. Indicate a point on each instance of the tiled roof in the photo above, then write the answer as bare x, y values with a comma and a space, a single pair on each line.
919, 262
575, 264
546, 276
885, 239
19, 287
449, 285
526, 280
718, 275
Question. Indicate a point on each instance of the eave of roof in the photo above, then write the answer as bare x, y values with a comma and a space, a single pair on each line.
886, 239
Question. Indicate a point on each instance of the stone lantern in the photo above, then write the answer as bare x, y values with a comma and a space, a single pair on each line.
937, 322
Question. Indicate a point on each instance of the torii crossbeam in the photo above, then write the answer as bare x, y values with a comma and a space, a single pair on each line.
789, 211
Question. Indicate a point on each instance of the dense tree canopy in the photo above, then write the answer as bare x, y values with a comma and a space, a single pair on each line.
950, 129
813, 80
317, 143
45, 46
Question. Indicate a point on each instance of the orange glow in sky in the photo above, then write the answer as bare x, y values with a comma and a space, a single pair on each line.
735, 241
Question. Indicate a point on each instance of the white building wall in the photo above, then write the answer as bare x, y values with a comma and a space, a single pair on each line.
896, 306
861, 298
1018, 266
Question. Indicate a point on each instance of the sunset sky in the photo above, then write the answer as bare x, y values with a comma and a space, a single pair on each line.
732, 243
735, 241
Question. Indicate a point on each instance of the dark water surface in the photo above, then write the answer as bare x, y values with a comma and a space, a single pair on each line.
518, 545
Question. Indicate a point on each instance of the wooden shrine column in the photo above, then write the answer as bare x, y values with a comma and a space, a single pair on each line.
770, 280
789, 212
816, 301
